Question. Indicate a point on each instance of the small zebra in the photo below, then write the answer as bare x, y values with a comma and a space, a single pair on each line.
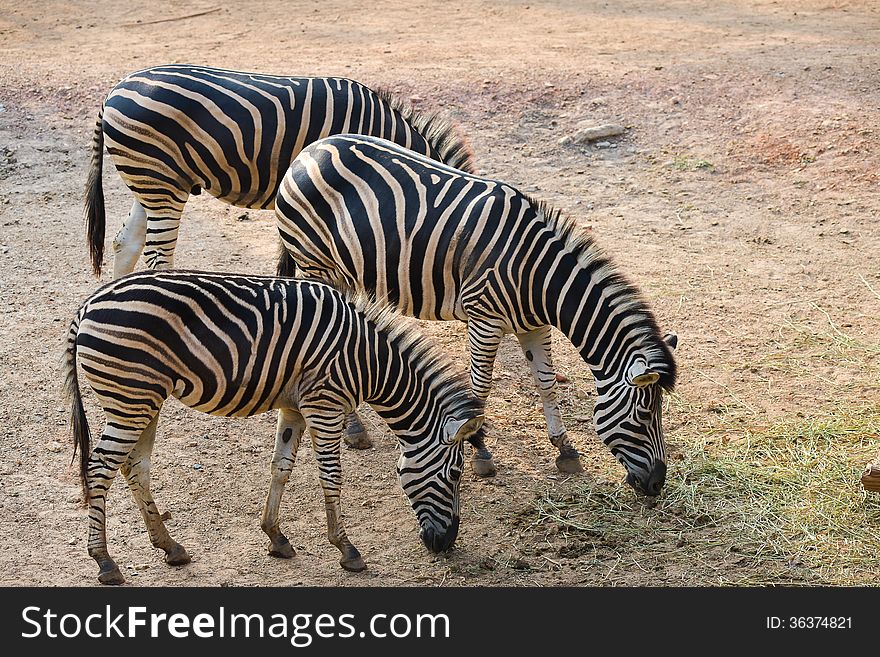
238, 346
175, 130
442, 244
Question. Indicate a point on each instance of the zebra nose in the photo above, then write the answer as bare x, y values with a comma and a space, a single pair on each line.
656, 480
437, 539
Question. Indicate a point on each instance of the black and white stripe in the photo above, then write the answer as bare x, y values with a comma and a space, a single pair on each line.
443, 244
237, 346
175, 130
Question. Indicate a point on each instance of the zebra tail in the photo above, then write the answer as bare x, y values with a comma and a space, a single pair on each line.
94, 205
79, 423
286, 264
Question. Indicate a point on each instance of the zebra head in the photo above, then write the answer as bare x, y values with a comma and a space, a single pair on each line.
430, 474
627, 415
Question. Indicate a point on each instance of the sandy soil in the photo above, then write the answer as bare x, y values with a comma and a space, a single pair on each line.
742, 199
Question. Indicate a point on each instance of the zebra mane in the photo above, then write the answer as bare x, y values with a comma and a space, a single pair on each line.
442, 135
452, 384
630, 299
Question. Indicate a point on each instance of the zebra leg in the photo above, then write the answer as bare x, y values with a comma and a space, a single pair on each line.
484, 339
356, 435
536, 347
129, 241
163, 223
104, 462
290, 429
136, 471
326, 438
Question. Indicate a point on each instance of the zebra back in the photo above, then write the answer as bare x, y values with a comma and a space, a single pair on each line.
178, 129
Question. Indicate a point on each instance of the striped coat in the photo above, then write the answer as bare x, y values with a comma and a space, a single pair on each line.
444, 244
176, 130
238, 346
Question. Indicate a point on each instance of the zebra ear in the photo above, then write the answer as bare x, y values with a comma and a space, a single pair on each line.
671, 340
640, 375
456, 430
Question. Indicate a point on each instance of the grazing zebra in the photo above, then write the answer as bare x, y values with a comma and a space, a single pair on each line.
175, 130
238, 346
443, 244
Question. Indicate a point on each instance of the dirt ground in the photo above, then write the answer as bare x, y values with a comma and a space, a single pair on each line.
742, 199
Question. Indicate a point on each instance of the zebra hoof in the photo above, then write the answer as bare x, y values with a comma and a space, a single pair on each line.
483, 467
177, 556
109, 573
569, 463
352, 561
359, 440
282, 550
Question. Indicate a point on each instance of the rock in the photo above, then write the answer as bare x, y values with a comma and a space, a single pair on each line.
595, 133
603, 144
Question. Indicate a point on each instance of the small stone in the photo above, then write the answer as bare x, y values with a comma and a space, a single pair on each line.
844, 231
55, 447
603, 144
594, 133
561, 378
197, 466
522, 564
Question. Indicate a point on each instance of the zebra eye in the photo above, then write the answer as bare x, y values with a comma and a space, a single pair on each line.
455, 475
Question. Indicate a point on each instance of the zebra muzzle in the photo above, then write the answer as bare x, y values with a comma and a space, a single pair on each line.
439, 539
649, 484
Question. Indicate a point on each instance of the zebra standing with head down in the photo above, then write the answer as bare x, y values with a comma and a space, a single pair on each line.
238, 346
175, 130
443, 244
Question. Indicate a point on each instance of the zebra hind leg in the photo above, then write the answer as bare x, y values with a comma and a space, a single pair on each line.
287, 437
163, 224
104, 462
536, 347
129, 241
136, 471
356, 435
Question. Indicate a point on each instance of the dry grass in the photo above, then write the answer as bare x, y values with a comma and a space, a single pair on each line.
782, 505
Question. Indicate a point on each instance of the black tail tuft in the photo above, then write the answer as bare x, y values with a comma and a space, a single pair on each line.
286, 264
94, 205
79, 423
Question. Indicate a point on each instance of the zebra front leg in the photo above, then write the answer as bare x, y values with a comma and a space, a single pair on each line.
136, 471
326, 439
484, 339
129, 241
356, 435
104, 462
290, 429
536, 347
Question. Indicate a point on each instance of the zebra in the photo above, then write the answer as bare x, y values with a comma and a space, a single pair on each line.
232, 345
176, 130
443, 244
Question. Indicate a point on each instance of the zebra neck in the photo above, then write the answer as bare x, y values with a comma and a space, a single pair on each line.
590, 306
396, 390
